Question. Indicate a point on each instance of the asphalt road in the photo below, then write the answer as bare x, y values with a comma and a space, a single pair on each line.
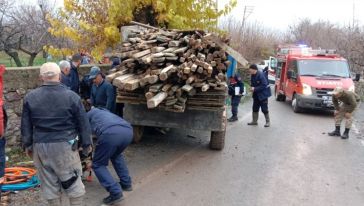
294, 162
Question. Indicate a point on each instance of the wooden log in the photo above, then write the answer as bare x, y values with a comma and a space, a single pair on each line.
172, 58
156, 100
201, 56
182, 100
190, 79
169, 55
155, 88
173, 44
187, 88
213, 64
128, 54
155, 71
158, 55
200, 70
118, 80
126, 44
132, 84
153, 79
159, 60
163, 39
157, 49
141, 54
166, 87
150, 41
205, 87
149, 95
209, 70
171, 102
182, 59
193, 67
187, 70
179, 92
180, 50
170, 50
112, 76
164, 73
147, 59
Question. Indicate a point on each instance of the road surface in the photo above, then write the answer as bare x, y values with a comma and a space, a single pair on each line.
294, 162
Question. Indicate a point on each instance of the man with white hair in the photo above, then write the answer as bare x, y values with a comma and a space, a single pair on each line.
345, 103
53, 122
65, 73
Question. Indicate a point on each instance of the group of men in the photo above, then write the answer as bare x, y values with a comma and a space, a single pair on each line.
57, 127
345, 102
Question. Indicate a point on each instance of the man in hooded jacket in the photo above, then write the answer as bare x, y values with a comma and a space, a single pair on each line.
236, 90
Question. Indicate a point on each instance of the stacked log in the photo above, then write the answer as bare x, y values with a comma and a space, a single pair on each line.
166, 68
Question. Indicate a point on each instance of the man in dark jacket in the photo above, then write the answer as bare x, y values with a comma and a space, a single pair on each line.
345, 103
114, 135
261, 92
75, 79
236, 90
65, 73
85, 87
53, 121
102, 92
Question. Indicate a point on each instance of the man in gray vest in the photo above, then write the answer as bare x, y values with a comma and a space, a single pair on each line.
53, 123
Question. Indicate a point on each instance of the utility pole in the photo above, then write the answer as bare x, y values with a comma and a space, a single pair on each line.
248, 10
353, 14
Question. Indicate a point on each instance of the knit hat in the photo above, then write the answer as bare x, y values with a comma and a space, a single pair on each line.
49, 69
253, 66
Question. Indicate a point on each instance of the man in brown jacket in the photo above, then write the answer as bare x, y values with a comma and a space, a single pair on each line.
345, 103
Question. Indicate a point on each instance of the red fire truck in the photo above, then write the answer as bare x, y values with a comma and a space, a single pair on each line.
306, 76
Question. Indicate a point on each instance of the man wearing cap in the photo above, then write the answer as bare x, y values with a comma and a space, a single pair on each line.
102, 92
345, 103
53, 122
261, 93
65, 73
75, 79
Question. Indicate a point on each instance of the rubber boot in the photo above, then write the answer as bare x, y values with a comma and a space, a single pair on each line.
336, 132
255, 119
267, 120
54, 202
345, 135
233, 118
76, 201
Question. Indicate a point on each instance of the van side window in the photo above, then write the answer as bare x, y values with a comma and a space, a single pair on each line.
293, 67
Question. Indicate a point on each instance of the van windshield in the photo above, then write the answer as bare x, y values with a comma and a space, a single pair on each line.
331, 68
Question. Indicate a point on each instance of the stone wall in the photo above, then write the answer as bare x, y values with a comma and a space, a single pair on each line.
17, 83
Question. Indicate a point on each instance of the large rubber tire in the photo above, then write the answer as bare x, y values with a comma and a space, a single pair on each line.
137, 133
279, 97
217, 140
294, 105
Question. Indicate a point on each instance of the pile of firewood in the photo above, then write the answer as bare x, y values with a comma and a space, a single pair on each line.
167, 68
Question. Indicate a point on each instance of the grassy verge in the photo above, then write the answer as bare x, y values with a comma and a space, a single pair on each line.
24, 58
15, 156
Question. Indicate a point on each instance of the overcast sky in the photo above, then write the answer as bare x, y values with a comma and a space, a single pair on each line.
279, 14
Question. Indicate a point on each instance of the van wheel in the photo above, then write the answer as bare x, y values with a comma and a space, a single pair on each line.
295, 106
279, 97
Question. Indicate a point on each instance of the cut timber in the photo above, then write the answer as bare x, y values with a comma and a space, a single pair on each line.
169, 55
180, 50
194, 68
156, 100
111, 77
187, 70
149, 95
170, 50
236, 55
119, 80
173, 44
157, 49
132, 84
166, 87
141, 54
171, 102
153, 79
190, 79
158, 55
187, 88
164, 73
205, 87
144, 81
155, 88
172, 58
159, 60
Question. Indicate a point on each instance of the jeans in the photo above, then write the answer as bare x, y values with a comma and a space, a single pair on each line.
110, 147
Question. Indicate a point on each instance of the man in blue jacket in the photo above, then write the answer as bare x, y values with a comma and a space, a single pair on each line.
114, 134
236, 90
53, 122
102, 92
75, 79
261, 92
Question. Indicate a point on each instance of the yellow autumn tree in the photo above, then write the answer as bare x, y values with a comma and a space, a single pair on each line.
94, 25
